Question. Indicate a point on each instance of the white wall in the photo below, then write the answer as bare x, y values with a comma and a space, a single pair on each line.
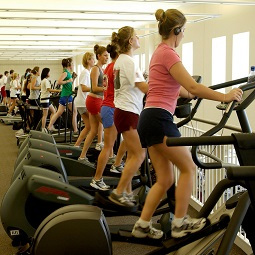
234, 19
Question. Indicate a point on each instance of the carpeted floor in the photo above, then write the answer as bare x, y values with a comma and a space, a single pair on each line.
8, 154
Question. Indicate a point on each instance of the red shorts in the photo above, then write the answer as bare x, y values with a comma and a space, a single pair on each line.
124, 120
93, 104
3, 91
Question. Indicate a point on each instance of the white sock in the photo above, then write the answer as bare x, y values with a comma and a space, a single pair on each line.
178, 221
143, 223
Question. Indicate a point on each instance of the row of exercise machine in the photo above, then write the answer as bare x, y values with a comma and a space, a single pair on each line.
29, 117
50, 206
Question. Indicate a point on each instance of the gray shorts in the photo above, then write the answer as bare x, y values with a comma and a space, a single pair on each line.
81, 110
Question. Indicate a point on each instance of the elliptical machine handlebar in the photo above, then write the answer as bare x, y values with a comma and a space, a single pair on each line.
202, 140
198, 141
213, 87
229, 109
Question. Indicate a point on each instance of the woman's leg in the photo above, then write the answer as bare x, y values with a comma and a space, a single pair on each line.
100, 133
74, 116
162, 158
165, 178
93, 131
181, 158
85, 130
52, 111
110, 135
120, 154
44, 117
136, 156
61, 109
13, 103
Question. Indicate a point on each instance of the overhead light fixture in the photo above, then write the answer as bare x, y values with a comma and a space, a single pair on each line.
190, 2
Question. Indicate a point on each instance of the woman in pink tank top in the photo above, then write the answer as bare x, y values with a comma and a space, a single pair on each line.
168, 79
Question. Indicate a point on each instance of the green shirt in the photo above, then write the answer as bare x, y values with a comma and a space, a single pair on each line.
68, 87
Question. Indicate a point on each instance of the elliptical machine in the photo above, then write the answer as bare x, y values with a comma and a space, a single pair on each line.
70, 218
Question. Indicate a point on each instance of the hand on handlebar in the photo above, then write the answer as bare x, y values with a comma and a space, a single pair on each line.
74, 75
234, 94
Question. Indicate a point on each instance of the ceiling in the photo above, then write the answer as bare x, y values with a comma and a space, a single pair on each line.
53, 30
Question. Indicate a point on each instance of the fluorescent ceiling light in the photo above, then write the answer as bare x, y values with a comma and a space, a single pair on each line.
76, 26
181, 2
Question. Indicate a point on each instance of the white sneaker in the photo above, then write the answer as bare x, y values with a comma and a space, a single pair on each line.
189, 225
116, 169
99, 184
148, 231
111, 160
99, 146
54, 129
44, 130
20, 132
86, 162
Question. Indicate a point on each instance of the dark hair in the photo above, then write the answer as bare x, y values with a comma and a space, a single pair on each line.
66, 62
121, 39
35, 70
28, 78
112, 50
11, 71
6, 72
45, 73
99, 50
1, 76
169, 20
27, 71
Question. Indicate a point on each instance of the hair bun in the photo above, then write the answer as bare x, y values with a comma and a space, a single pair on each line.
96, 47
115, 37
109, 48
160, 15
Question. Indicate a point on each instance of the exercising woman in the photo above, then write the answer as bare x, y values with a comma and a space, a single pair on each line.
110, 132
168, 79
88, 61
94, 101
46, 91
129, 87
66, 81
14, 86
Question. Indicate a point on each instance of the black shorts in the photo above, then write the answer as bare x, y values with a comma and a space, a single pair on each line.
34, 102
154, 124
45, 105
8, 93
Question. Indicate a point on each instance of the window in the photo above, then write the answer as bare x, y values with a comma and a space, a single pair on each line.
143, 62
187, 56
219, 61
240, 55
137, 60
79, 70
80, 67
